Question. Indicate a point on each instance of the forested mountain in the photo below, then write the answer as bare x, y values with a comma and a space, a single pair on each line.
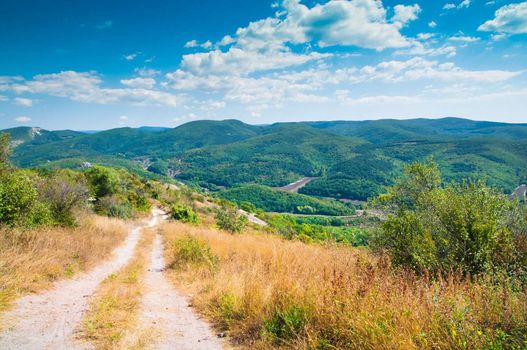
351, 159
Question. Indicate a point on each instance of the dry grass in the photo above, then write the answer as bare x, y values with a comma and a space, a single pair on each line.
32, 260
270, 293
113, 309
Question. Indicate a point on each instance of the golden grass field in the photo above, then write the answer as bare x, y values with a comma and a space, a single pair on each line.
30, 260
266, 292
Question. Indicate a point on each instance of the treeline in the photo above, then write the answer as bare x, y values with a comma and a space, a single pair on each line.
30, 198
271, 200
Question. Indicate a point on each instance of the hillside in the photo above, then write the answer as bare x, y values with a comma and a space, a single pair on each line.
351, 159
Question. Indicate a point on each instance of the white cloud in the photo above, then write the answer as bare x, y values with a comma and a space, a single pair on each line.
425, 36
145, 83
123, 118
194, 43
462, 4
22, 119
421, 69
26, 102
86, 87
191, 43
132, 56
424, 49
241, 62
146, 72
509, 19
362, 23
3, 98
464, 38
432, 24
405, 14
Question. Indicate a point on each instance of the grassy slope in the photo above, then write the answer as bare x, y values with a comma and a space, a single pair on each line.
269, 293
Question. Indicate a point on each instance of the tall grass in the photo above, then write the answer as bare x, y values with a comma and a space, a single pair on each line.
31, 260
270, 293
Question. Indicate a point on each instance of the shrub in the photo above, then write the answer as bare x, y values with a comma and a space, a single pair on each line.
467, 227
64, 192
114, 207
103, 181
228, 219
193, 251
184, 214
19, 205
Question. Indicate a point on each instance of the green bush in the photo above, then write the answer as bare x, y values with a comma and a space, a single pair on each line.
228, 219
103, 181
467, 226
184, 214
193, 251
19, 204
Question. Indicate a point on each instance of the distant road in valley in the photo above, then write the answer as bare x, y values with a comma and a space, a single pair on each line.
295, 186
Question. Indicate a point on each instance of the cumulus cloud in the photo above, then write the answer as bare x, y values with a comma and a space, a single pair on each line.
25, 102
463, 38
362, 23
432, 24
22, 119
86, 87
194, 43
509, 19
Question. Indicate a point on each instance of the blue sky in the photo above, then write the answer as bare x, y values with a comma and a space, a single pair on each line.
100, 64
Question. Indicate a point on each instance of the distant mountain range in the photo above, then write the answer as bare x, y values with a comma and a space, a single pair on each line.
351, 159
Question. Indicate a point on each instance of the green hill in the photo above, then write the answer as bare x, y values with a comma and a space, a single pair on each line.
351, 159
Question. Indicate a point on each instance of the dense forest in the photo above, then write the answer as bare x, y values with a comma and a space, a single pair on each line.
351, 160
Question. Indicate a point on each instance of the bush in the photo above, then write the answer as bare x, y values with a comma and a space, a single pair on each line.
285, 324
467, 227
19, 205
194, 251
184, 214
114, 207
64, 192
228, 219
103, 181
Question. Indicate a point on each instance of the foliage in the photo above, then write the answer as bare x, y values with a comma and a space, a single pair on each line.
229, 219
273, 200
192, 250
103, 181
467, 226
4, 149
19, 204
184, 213
317, 229
354, 160
64, 191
